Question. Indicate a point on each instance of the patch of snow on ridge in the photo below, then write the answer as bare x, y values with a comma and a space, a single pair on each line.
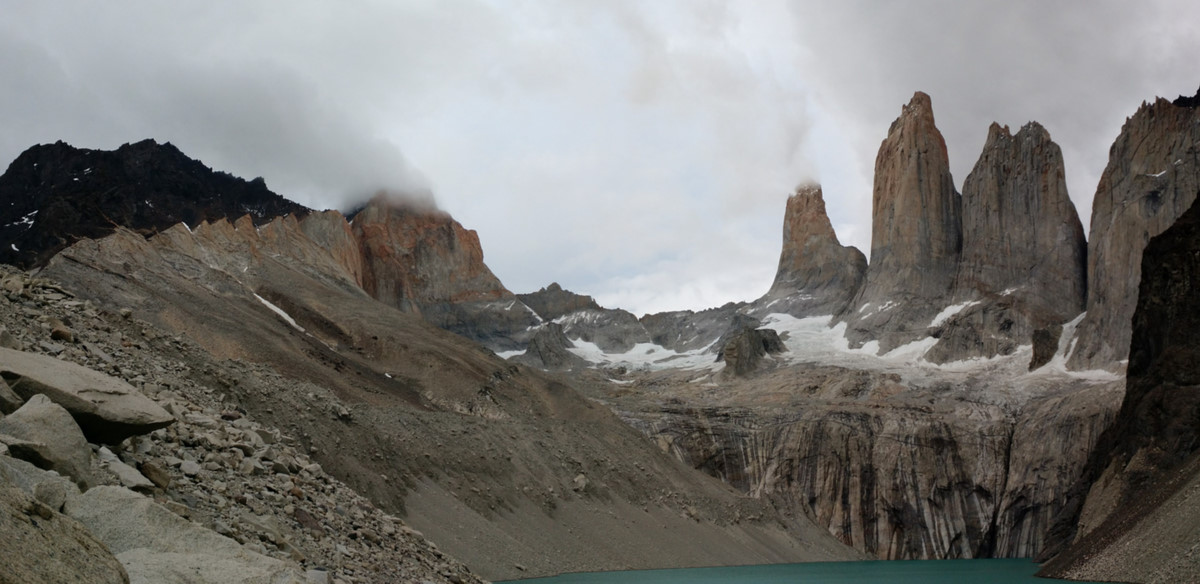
510, 354
950, 311
1066, 347
280, 312
643, 356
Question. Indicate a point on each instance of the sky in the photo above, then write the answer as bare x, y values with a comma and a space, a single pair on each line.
638, 151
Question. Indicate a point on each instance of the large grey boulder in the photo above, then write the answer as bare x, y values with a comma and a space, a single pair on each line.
53, 440
107, 409
39, 545
156, 546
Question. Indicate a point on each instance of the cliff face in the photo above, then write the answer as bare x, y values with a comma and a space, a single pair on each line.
896, 470
1152, 176
419, 259
817, 275
55, 194
916, 233
1023, 256
1135, 512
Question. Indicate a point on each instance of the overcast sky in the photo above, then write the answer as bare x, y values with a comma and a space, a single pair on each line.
638, 151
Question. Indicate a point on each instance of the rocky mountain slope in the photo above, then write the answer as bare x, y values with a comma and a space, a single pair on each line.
1134, 513
214, 496
510, 471
1152, 177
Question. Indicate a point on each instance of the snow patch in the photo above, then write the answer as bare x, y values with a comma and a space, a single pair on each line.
950, 311
1157, 175
14, 246
277, 310
510, 354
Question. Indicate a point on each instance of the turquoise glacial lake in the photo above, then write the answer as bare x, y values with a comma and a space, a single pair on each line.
895, 572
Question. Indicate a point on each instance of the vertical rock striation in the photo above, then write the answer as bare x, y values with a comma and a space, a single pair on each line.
1023, 264
1152, 176
916, 233
817, 275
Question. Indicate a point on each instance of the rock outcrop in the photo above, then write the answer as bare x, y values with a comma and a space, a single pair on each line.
419, 259
55, 194
1152, 177
817, 275
107, 409
553, 302
1023, 263
1134, 511
53, 440
548, 350
39, 544
916, 234
688, 330
744, 353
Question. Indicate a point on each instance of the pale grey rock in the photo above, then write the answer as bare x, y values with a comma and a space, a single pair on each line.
157, 546
744, 353
9, 401
59, 444
127, 475
107, 409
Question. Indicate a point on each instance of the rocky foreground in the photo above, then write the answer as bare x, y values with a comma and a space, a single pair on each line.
199, 491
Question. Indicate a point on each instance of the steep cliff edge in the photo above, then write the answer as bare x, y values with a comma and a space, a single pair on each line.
817, 275
419, 259
916, 234
1152, 176
1023, 264
1136, 512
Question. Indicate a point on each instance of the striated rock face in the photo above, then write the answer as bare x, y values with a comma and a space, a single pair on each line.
817, 275
1134, 510
896, 471
916, 233
1023, 254
1152, 176
54, 194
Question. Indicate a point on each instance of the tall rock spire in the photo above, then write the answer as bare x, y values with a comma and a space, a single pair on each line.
916, 233
1023, 263
817, 274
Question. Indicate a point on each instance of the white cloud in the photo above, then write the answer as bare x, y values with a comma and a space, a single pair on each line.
640, 152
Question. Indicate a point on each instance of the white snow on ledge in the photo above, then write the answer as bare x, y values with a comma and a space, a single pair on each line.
950, 311
280, 312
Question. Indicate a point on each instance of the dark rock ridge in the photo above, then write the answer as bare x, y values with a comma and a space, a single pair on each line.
553, 302
1134, 495
688, 330
54, 194
1023, 250
817, 275
1152, 176
916, 233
